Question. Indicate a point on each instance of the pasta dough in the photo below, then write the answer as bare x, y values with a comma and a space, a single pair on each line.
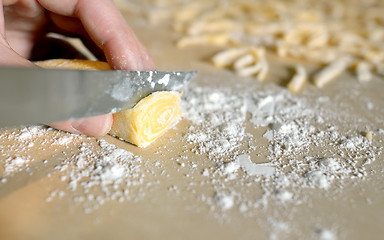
73, 64
146, 121
149, 119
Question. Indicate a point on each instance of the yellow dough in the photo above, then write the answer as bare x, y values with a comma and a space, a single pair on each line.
73, 64
151, 117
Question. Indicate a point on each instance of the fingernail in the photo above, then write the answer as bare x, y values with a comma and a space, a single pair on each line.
94, 126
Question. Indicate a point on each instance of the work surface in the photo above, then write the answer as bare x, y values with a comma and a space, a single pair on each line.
249, 160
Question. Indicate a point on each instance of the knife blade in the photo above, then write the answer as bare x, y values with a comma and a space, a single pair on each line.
35, 95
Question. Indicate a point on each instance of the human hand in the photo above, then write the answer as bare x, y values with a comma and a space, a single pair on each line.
98, 23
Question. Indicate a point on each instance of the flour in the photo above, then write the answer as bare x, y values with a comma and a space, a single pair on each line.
284, 195
300, 147
64, 140
294, 129
12, 165
253, 169
112, 170
217, 129
224, 201
325, 234
164, 80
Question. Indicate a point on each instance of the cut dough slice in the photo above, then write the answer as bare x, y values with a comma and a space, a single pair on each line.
151, 117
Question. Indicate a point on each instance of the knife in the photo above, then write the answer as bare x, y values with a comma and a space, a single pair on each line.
35, 95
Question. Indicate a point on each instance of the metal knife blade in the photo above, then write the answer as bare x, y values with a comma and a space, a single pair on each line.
35, 95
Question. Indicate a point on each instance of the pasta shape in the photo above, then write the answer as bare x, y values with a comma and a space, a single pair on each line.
246, 61
322, 33
331, 71
298, 80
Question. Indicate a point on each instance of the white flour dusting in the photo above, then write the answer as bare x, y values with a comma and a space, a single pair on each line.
217, 119
325, 234
253, 169
224, 201
12, 165
113, 171
305, 149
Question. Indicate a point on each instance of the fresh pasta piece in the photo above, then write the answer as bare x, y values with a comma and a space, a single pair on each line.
373, 53
363, 71
246, 61
253, 63
331, 71
298, 80
309, 35
262, 75
227, 57
319, 35
259, 69
149, 119
369, 135
249, 71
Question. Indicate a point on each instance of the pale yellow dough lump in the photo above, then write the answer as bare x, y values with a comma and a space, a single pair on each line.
149, 119
73, 64
141, 125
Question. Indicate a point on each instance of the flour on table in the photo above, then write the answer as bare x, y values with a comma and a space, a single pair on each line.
113, 171
325, 234
252, 169
294, 128
217, 119
305, 150
12, 165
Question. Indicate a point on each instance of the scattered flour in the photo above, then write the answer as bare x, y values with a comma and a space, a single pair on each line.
306, 149
14, 164
253, 169
113, 171
325, 234
217, 119
224, 201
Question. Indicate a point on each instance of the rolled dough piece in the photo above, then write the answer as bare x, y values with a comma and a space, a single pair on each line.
150, 118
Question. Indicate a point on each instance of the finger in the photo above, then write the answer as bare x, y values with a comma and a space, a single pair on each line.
97, 126
9, 57
108, 29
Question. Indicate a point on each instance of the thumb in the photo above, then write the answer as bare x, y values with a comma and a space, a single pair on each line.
10, 57
93, 126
